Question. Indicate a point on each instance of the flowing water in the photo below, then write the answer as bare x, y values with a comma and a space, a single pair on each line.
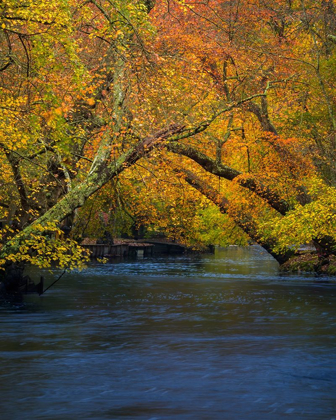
221, 336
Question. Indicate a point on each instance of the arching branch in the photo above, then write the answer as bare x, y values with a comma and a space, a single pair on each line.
223, 171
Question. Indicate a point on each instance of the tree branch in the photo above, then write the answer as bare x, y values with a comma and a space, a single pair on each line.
223, 171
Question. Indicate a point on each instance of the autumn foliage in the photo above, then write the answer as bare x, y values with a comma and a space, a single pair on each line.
211, 122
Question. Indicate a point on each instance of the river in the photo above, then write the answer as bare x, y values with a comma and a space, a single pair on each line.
210, 337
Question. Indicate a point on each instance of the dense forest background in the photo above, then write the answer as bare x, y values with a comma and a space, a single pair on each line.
211, 122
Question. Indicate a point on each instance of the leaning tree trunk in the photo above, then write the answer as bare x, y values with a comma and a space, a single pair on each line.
247, 225
100, 173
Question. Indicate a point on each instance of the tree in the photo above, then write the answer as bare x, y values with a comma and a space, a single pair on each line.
95, 90
275, 47
76, 128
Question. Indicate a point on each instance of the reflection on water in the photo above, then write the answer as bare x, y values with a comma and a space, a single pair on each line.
199, 337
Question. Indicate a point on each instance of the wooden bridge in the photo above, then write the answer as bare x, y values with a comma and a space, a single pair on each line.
133, 249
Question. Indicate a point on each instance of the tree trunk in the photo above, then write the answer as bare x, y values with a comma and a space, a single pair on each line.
100, 173
247, 225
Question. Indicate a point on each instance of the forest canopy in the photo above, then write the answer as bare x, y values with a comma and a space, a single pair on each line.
211, 121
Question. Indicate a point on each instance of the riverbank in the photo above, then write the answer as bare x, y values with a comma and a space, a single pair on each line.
311, 263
